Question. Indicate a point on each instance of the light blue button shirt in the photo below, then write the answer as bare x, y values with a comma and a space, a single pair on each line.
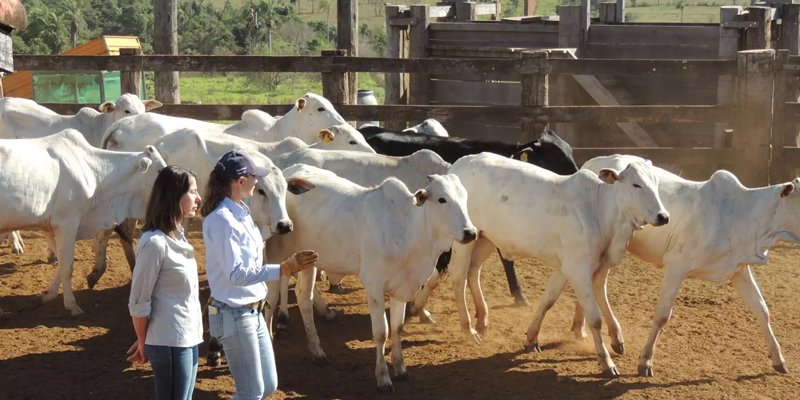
234, 254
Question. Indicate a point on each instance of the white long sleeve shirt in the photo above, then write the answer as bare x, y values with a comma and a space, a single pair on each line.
165, 288
234, 255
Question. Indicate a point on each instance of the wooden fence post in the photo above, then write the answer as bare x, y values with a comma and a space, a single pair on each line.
585, 22
780, 125
728, 47
760, 36
620, 14
560, 94
465, 10
608, 12
130, 81
790, 29
569, 28
334, 84
754, 95
534, 90
165, 41
394, 83
418, 48
347, 38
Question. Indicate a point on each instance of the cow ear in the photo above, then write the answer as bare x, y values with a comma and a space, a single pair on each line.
326, 135
299, 185
107, 107
608, 175
419, 197
787, 189
430, 178
523, 156
151, 104
144, 164
300, 104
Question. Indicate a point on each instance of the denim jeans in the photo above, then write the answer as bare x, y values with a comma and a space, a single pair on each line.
174, 371
248, 349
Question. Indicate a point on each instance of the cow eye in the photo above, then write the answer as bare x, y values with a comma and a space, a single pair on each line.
636, 185
127, 111
321, 109
261, 192
442, 200
353, 142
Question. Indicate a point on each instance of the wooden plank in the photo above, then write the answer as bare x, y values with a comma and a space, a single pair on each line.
487, 9
442, 11
6, 53
760, 36
477, 93
471, 114
650, 51
780, 131
728, 46
465, 10
569, 29
602, 96
491, 26
450, 51
165, 41
347, 38
643, 34
634, 67
545, 41
791, 157
335, 84
790, 29
129, 81
394, 83
259, 64
534, 93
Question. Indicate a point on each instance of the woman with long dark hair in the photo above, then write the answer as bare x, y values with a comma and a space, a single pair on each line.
164, 300
237, 276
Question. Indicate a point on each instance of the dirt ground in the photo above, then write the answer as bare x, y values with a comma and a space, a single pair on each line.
711, 349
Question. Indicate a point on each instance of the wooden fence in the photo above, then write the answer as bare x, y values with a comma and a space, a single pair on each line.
752, 149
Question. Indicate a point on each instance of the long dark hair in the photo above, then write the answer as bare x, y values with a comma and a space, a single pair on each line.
218, 188
164, 206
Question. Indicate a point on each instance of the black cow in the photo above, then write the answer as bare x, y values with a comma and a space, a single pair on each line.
548, 151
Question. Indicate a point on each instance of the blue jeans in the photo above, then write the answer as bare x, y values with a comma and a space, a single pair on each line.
174, 371
248, 349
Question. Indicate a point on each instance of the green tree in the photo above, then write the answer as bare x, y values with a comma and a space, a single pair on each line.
74, 13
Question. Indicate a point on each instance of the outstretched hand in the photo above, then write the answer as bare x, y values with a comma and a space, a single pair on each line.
298, 262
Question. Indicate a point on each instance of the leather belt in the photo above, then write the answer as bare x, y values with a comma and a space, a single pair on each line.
258, 305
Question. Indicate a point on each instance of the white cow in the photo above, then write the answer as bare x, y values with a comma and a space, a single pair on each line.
392, 249
72, 191
310, 114
338, 137
24, 119
366, 170
718, 229
582, 224
430, 127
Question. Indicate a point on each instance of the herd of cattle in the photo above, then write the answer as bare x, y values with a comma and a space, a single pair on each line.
389, 206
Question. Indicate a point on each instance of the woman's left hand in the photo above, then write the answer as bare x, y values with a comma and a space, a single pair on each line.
136, 353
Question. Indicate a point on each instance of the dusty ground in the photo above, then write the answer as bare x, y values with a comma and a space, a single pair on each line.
712, 348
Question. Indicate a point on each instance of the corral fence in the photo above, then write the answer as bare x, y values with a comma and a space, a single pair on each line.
752, 114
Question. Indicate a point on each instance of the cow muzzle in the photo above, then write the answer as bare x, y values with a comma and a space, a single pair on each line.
662, 219
469, 235
284, 227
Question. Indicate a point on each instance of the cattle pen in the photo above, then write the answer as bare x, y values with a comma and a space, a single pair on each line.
735, 106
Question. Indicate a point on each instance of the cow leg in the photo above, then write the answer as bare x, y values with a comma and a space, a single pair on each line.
578, 327
273, 293
214, 356
52, 290
100, 245
513, 284
335, 283
669, 291
397, 311
52, 256
379, 330
480, 253
322, 308
126, 231
16, 243
555, 285
282, 322
601, 296
580, 277
65, 245
304, 289
746, 286
417, 306
459, 268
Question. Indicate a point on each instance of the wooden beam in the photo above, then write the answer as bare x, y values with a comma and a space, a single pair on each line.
760, 36
347, 38
535, 88
728, 47
790, 29
394, 87
165, 41
418, 48
130, 81
754, 95
335, 84
636, 67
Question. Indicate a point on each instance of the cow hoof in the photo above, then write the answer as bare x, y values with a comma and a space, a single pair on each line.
646, 371
52, 259
425, 317
612, 372
618, 348
92, 279
521, 301
386, 388
76, 312
214, 359
336, 289
319, 360
281, 332
330, 315
402, 377
781, 368
472, 336
534, 347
